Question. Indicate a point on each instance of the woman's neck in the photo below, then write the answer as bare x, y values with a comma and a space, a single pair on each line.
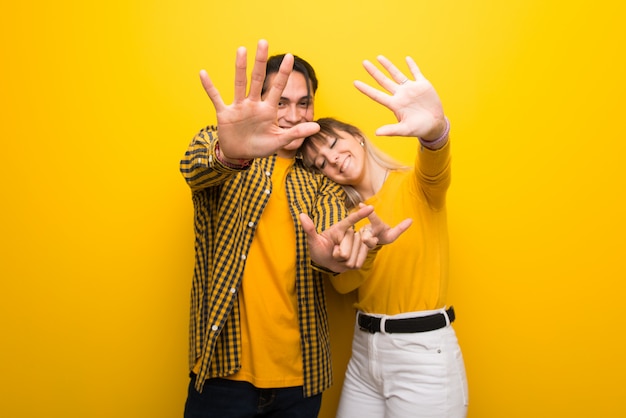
372, 180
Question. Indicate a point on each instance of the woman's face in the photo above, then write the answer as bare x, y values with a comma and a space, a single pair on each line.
340, 158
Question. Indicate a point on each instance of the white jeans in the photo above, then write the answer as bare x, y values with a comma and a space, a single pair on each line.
405, 375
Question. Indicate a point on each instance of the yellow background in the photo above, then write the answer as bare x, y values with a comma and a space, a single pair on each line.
99, 101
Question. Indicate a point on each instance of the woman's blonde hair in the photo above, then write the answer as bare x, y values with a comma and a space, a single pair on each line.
331, 127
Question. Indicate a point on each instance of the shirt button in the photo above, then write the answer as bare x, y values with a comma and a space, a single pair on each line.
250, 224
267, 173
214, 327
233, 290
243, 256
267, 191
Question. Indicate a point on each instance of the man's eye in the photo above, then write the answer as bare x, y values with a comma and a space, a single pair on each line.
281, 104
322, 165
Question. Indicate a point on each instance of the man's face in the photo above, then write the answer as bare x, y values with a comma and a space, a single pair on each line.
295, 105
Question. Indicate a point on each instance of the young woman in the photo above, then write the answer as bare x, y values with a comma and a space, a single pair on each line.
406, 361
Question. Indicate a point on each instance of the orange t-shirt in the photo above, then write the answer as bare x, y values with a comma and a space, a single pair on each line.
271, 353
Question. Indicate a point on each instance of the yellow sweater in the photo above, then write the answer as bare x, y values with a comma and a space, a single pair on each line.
410, 274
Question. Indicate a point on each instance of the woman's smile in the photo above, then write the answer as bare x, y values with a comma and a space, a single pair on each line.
345, 164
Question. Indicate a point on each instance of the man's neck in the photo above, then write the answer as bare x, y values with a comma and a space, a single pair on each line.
283, 153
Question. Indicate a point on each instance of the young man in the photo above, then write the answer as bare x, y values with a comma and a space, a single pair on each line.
259, 339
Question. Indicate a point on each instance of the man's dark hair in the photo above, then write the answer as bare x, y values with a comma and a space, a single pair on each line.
299, 65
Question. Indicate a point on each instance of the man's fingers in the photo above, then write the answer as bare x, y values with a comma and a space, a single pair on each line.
211, 91
307, 225
241, 76
343, 246
279, 79
352, 251
349, 221
338, 230
257, 77
301, 130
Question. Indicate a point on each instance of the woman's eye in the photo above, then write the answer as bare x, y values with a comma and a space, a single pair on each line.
332, 144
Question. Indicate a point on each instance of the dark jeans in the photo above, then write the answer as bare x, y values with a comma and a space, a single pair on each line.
223, 398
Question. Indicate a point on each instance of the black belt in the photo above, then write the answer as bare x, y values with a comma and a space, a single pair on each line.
406, 325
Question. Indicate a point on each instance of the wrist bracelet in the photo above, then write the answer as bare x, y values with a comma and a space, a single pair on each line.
439, 142
242, 163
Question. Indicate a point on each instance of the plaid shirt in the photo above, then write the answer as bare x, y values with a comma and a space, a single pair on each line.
228, 204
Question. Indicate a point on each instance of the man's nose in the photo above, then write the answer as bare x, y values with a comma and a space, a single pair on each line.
293, 114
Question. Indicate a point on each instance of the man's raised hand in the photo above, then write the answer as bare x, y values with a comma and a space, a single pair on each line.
248, 127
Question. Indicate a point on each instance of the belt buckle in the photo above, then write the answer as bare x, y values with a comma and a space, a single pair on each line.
369, 325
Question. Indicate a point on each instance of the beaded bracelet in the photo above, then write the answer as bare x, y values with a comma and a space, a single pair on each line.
242, 163
439, 142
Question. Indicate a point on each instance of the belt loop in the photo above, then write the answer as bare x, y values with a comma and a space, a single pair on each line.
383, 319
445, 314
